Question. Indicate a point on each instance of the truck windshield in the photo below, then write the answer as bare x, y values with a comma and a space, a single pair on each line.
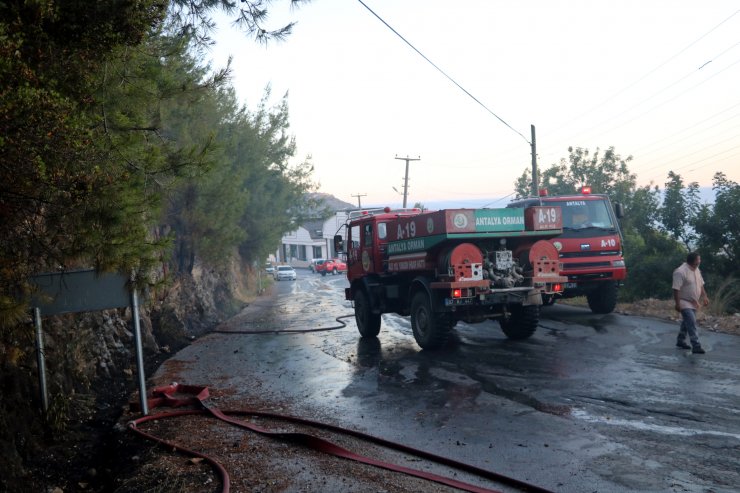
585, 214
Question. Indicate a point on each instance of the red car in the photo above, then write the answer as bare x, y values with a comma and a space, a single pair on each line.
332, 266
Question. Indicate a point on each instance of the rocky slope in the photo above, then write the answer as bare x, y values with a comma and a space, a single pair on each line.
91, 373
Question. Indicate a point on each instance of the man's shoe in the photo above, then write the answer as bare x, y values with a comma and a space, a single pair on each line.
682, 345
698, 350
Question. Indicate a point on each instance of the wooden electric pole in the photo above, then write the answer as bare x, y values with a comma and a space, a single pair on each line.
406, 177
535, 179
359, 204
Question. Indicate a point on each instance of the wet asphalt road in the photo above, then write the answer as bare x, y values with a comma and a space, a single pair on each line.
590, 403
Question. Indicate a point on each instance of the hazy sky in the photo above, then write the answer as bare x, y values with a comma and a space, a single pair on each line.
656, 79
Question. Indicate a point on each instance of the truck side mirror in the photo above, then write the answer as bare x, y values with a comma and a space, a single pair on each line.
338, 244
619, 210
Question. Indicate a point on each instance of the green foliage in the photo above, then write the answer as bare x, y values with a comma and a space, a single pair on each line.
250, 196
718, 229
651, 256
193, 19
719, 226
642, 212
649, 252
680, 207
114, 139
61, 203
117, 144
659, 228
607, 173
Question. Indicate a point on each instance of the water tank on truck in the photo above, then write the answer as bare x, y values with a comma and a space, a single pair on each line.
442, 267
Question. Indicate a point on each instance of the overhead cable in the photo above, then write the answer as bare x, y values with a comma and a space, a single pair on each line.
652, 108
655, 69
443, 72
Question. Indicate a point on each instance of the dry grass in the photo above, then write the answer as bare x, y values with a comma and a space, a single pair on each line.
726, 296
665, 310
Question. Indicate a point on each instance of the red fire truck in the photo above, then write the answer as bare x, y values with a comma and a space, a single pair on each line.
444, 266
590, 247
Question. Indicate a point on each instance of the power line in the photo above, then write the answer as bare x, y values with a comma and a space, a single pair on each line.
649, 73
443, 72
713, 156
655, 107
680, 136
498, 200
709, 158
650, 148
595, 133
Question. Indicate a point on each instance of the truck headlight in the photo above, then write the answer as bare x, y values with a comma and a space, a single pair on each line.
617, 263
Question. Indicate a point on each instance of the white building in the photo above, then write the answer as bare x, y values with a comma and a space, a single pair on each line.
312, 240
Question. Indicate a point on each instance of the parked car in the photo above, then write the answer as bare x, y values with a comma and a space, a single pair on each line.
315, 262
269, 268
333, 266
284, 272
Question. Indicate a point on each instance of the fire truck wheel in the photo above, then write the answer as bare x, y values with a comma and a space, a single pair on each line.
603, 299
431, 330
522, 322
368, 323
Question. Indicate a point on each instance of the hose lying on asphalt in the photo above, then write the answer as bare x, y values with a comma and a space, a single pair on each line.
288, 331
164, 396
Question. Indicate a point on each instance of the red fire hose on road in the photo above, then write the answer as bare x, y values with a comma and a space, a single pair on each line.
191, 395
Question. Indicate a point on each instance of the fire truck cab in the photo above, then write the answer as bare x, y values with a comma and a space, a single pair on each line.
590, 246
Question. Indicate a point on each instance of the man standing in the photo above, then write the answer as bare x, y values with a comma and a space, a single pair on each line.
688, 292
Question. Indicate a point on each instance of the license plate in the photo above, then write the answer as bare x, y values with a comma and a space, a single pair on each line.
570, 285
458, 301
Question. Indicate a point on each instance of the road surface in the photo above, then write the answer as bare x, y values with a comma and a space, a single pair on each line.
590, 403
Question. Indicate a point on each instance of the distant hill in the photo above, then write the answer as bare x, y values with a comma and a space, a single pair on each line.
706, 196
330, 202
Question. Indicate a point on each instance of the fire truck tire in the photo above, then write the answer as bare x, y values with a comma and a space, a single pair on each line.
431, 330
604, 299
368, 323
323, 272
522, 322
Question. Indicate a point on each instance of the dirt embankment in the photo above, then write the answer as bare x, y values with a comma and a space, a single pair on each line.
664, 310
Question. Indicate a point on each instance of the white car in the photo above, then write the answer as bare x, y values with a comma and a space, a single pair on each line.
284, 272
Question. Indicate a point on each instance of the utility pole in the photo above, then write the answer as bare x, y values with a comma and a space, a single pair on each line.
535, 179
359, 204
406, 177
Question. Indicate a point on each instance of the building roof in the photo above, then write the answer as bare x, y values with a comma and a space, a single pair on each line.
315, 228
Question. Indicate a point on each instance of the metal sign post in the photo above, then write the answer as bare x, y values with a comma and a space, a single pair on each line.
84, 291
41, 359
139, 351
